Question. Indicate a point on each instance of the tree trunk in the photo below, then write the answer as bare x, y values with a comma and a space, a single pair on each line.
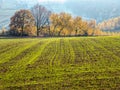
37, 28
22, 29
49, 31
54, 30
76, 31
60, 31
37, 32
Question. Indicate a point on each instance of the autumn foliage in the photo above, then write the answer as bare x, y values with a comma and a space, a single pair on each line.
22, 23
42, 22
65, 24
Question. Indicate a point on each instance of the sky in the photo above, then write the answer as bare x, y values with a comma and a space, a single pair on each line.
60, 1
89, 9
99, 10
44, 1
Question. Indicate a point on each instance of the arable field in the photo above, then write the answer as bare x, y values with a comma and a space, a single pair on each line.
85, 63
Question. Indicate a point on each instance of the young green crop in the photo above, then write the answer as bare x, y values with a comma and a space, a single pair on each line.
82, 63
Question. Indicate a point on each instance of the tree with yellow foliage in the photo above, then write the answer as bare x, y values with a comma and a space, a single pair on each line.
60, 21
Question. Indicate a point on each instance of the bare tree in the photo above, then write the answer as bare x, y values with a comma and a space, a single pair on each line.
41, 15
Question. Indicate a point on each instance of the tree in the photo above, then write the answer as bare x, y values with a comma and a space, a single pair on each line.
3, 31
84, 28
21, 20
70, 27
110, 25
63, 22
78, 25
54, 19
60, 21
41, 15
92, 27
92, 23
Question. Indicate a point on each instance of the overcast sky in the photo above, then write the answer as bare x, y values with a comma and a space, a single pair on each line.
62, 1
97, 9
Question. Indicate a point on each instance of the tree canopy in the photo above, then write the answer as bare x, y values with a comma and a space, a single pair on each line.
22, 23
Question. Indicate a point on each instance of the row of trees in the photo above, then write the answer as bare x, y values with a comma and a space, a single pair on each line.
110, 25
65, 24
42, 22
32, 23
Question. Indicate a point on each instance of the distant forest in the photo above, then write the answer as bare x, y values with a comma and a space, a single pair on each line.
110, 25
